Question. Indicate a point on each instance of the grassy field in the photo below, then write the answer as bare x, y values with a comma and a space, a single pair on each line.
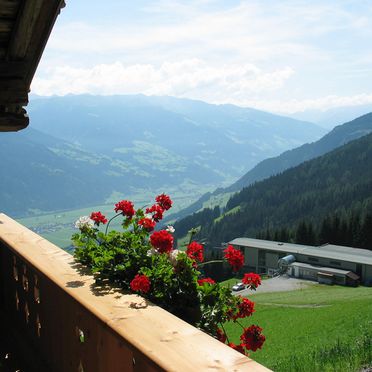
58, 227
320, 328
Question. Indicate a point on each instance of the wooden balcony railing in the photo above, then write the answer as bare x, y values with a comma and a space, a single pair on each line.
63, 322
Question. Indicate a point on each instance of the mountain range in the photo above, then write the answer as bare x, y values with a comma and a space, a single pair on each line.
333, 116
87, 150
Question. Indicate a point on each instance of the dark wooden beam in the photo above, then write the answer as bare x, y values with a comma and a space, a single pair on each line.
27, 17
8, 8
10, 122
17, 97
13, 69
6, 24
44, 26
13, 91
10, 84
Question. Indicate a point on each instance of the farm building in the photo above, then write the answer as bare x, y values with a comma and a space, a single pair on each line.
326, 263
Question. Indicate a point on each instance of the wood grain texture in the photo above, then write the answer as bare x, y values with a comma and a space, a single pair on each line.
150, 338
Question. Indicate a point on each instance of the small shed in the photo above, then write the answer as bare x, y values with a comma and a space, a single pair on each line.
324, 275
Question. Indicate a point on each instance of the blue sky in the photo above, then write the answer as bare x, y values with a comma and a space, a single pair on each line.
281, 56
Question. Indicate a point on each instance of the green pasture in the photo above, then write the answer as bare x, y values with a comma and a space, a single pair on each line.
319, 328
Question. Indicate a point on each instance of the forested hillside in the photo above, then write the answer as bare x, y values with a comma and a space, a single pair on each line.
338, 181
339, 136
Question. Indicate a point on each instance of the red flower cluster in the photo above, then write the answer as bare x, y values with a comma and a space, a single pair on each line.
234, 257
245, 308
195, 251
157, 212
162, 241
252, 279
252, 338
239, 348
140, 283
206, 280
221, 336
98, 218
126, 207
164, 201
147, 223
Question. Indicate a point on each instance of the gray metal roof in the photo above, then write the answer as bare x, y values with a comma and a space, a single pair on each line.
336, 252
320, 268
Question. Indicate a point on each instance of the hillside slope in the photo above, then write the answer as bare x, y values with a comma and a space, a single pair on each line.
339, 136
341, 179
42, 173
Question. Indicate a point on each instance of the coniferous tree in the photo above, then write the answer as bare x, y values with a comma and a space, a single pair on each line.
366, 233
301, 233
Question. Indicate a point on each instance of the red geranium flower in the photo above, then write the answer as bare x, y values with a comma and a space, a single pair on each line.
162, 241
147, 223
252, 279
140, 283
98, 218
164, 201
252, 338
195, 251
245, 308
157, 212
126, 207
221, 336
234, 257
239, 348
206, 280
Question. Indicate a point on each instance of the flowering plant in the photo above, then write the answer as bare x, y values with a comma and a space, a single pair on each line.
144, 261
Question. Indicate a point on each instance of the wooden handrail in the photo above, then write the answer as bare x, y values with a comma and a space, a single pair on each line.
73, 325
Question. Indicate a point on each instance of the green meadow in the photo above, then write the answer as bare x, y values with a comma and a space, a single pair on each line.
319, 328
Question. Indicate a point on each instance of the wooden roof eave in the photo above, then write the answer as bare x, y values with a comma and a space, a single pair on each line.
28, 32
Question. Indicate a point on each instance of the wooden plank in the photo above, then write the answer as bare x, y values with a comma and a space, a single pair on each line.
15, 69
158, 340
8, 9
6, 25
19, 97
28, 15
48, 15
12, 84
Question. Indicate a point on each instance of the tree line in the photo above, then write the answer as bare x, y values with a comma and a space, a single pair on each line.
350, 229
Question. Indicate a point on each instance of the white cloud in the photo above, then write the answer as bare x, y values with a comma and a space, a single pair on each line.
248, 31
241, 85
266, 54
322, 103
191, 78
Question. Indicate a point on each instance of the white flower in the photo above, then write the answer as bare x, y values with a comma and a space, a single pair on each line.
173, 256
170, 229
84, 222
151, 252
